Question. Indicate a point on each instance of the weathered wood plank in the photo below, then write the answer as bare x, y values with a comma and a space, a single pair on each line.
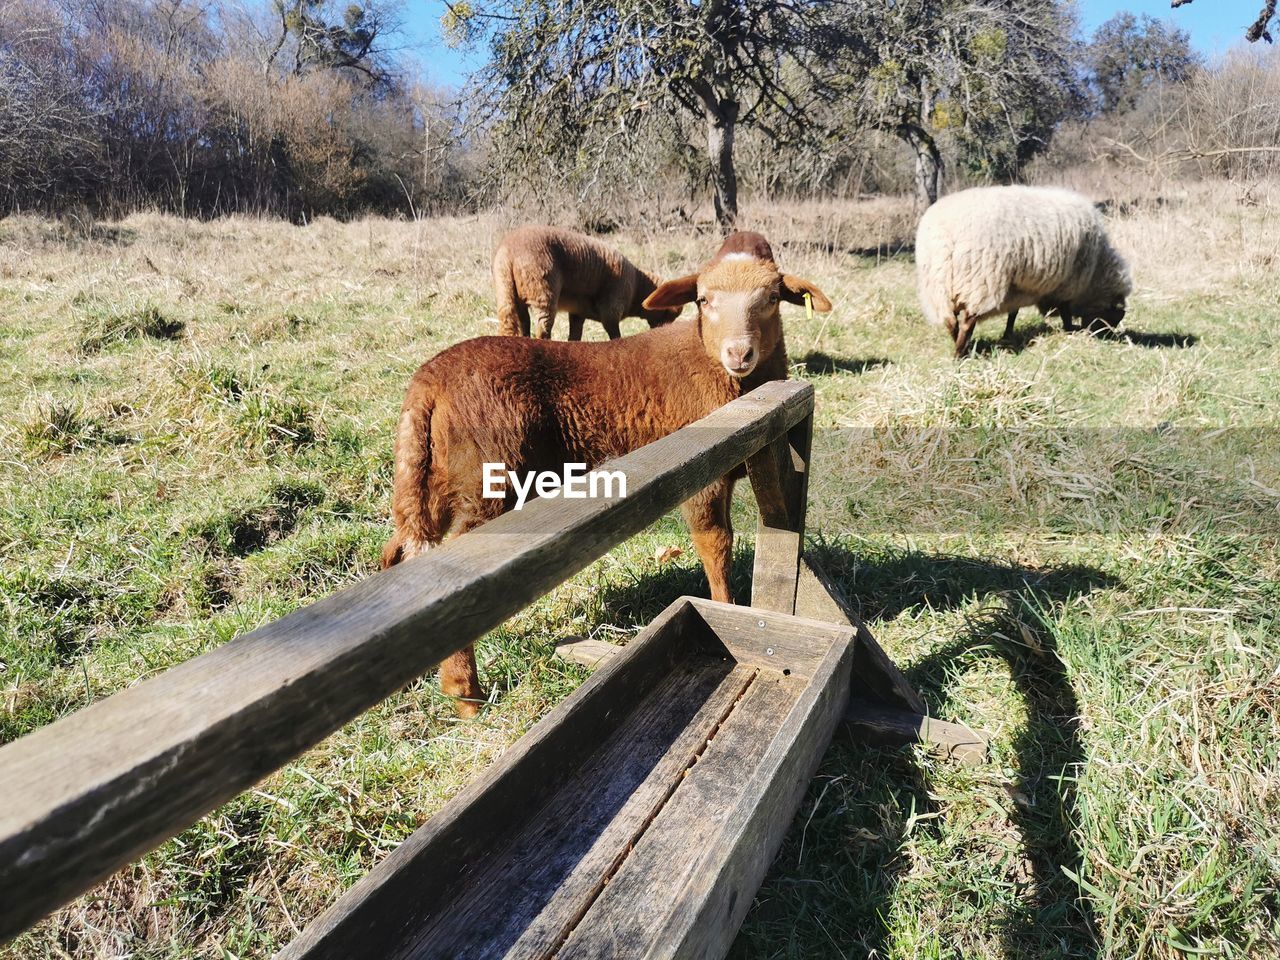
732, 811
590, 652
876, 678
867, 719
87, 794
525, 905
883, 706
893, 728
774, 641
514, 871
779, 476
390, 905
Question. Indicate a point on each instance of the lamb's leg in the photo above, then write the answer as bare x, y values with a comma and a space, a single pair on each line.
509, 315
459, 675
612, 327
460, 679
707, 514
1008, 324
522, 313
544, 318
575, 326
1068, 321
965, 322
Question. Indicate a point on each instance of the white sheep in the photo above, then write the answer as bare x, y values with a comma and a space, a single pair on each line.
993, 250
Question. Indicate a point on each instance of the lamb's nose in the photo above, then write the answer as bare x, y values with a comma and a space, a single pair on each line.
739, 357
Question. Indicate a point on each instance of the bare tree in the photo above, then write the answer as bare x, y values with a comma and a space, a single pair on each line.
1259, 30
566, 77
322, 38
205, 106
993, 77
47, 146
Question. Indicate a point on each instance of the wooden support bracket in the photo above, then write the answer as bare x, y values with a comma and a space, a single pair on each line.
779, 476
876, 678
950, 741
586, 651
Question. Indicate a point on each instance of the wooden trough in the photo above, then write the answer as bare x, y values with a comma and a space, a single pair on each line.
637, 819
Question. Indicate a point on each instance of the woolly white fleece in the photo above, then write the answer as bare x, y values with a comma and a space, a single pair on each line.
993, 250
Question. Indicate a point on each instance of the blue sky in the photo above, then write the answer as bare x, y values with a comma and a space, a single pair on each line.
1214, 26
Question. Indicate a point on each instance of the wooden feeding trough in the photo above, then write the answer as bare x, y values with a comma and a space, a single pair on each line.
637, 819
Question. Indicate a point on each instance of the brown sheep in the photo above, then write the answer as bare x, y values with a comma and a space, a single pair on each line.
540, 271
537, 405
744, 245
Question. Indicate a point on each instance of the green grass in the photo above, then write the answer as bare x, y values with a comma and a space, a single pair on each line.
106, 325
1067, 541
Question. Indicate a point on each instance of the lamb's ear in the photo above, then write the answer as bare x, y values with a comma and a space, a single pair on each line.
794, 289
673, 293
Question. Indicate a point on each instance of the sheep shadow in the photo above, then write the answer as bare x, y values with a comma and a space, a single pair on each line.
1026, 335
834, 880
900, 249
1154, 341
1022, 338
817, 363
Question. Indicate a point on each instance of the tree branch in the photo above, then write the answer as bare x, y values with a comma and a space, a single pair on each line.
1259, 29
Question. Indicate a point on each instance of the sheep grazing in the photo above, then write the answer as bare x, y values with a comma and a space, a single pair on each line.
997, 249
540, 271
539, 404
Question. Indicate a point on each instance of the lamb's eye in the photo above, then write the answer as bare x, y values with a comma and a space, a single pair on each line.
702, 301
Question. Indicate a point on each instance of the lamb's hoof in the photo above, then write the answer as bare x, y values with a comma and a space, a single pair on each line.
466, 709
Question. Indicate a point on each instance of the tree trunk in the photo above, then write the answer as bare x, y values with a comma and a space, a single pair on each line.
722, 118
928, 163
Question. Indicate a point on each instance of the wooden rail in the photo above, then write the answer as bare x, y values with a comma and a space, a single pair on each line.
86, 795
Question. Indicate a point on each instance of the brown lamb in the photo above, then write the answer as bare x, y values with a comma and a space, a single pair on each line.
540, 271
537, 405
744, 245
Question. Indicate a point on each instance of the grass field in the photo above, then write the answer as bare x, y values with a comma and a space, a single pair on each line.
1068, 541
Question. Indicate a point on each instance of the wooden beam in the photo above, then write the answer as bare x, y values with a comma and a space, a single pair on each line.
876, 678
883, 706
84, 796
894, 728
779, 476
588, 652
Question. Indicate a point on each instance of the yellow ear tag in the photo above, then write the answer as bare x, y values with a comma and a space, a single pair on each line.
808, 307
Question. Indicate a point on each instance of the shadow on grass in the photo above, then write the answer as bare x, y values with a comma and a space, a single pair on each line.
1020, 603
1025, 336
1153, 341
1022, 338
818, 363
831, 890
903, 249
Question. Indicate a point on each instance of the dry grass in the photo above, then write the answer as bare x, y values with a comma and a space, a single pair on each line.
1069, 541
